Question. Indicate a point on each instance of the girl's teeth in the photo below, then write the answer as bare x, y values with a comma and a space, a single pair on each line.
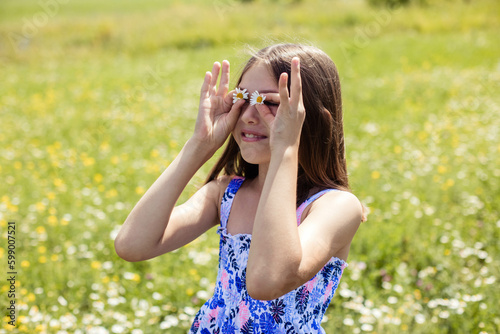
251, 135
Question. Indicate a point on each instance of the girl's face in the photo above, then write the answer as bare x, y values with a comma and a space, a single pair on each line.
250, 132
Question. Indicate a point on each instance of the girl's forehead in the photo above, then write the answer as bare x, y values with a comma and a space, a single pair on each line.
259, 77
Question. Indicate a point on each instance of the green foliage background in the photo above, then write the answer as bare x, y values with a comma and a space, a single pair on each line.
96, 98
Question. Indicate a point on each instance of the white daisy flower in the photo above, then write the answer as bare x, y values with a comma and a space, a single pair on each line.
240, 94
257, 98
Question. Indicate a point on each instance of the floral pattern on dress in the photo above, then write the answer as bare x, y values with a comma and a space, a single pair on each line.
232, 310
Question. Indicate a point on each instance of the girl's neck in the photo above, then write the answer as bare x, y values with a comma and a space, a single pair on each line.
258, 182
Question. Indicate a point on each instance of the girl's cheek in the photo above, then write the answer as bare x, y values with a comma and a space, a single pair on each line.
244, 108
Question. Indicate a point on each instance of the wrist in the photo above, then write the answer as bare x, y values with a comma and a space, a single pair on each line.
285, 152
282, 150
200, 148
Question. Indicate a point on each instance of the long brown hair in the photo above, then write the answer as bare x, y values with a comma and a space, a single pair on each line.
321, 152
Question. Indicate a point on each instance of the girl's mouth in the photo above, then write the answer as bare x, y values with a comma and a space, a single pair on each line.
251, 137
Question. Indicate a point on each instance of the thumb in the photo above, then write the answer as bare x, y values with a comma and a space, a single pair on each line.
234, 113
265, 113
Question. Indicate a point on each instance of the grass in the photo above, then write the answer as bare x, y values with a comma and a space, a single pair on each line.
96, 102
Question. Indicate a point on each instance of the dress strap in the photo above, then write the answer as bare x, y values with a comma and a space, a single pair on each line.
227, 199
308, 201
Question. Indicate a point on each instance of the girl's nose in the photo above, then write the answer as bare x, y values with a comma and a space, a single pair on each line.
249, 114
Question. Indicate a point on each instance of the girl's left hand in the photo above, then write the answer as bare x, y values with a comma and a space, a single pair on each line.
286, 126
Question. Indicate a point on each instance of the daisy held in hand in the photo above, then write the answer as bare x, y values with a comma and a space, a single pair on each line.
240, 94
257, 98
278, 194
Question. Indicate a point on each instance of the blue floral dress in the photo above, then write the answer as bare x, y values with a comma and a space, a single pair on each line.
232, 310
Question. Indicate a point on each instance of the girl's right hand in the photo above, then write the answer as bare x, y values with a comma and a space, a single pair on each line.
217, 115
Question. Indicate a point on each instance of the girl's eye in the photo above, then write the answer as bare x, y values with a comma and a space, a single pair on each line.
270, 103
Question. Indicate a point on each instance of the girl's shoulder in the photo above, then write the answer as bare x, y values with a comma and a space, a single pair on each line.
222, 181
220, 184
340, 201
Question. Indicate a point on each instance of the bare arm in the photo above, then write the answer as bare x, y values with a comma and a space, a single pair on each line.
283, 256
155, 226
145, 233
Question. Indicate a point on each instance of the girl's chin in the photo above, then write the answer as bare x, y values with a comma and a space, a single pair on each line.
256, 158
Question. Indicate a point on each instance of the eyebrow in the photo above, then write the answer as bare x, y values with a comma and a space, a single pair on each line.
265, 91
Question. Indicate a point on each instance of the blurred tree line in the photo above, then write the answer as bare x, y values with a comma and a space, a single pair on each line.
378, 3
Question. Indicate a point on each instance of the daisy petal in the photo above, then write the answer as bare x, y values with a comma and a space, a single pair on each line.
240, 94
257, 98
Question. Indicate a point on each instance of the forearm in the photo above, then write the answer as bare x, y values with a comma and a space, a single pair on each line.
147, 221
275, 248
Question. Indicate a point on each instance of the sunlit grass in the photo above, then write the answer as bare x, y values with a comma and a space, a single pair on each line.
100, 99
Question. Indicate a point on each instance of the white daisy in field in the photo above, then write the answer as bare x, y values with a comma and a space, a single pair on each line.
257, 98
240, 94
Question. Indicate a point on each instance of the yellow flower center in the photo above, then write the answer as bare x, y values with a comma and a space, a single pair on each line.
259, 99
240, 95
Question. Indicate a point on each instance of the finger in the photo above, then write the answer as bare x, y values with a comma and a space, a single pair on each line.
272, 97
296, 85
215, 76
206, 85
283, 91
238, 104
265, 113
228, 99
234, 113
272, 101
224, 79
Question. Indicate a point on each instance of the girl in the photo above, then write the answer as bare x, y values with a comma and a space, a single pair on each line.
286, 217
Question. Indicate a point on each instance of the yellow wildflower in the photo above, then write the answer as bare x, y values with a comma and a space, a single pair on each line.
98, 178
40, 206
154, 153
52, 220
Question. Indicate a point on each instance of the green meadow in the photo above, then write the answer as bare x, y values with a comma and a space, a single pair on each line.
98, 97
